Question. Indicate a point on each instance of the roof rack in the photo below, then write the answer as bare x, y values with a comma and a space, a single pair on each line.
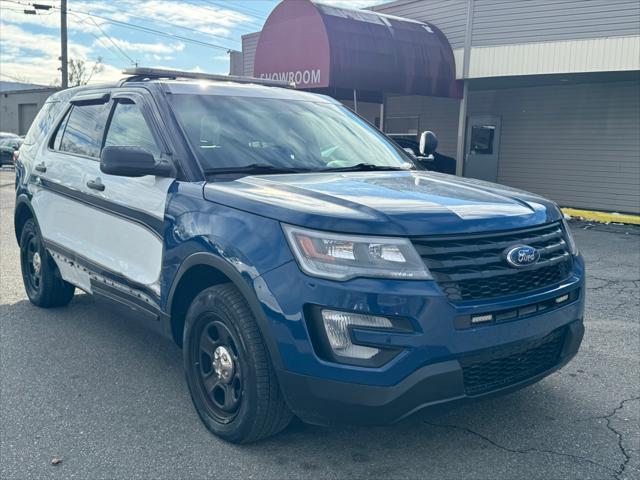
140, 73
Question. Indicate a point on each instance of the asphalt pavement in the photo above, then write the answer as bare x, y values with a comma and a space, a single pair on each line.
107, 397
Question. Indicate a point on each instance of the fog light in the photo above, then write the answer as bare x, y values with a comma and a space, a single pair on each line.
563, 298
337, 324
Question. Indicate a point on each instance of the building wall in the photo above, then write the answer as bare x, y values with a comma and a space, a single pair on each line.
236, 63
249, 45
502, 22
505, 22
531, 37
577, 144
10, 107
440, 115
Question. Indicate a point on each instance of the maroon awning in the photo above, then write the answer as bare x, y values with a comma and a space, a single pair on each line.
323, 47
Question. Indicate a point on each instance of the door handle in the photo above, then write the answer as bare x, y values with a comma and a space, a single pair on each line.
96, 184
41, 167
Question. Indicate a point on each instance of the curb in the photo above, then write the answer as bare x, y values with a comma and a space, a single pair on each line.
603, 217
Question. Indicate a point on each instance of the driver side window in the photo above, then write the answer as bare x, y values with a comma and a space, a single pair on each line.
128, 127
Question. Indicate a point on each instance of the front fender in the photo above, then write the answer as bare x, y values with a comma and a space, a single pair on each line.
239, 244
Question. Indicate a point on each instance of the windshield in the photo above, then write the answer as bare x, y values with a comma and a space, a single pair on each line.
244, 132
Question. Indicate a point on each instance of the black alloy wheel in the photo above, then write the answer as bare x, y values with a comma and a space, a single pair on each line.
42, 280
219, 363
229, 372
31, 259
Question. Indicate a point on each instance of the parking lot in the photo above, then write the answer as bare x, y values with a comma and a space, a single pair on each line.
108, 397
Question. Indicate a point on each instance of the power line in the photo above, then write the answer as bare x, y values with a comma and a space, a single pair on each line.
201, 32
244, 10
108, 37
153, 31
145, 29
100, 40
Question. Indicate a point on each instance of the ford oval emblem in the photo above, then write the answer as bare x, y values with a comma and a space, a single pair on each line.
522, 256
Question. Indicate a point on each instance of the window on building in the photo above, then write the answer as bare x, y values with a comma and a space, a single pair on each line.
129, 128
83, 132
482, 137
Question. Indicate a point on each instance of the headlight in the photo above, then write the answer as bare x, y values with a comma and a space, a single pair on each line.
571, 243
342, 257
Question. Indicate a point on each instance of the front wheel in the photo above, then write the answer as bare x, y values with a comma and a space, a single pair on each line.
42, 281
229, 373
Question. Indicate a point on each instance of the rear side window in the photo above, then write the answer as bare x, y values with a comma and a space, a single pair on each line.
83, 132
129, 128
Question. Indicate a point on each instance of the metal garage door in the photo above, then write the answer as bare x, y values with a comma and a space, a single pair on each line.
26, 113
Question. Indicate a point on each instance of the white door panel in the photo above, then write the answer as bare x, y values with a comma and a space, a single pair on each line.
147, 194
115, 243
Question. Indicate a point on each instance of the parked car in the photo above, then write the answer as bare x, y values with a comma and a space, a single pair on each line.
8, 149
293, 251
8, 135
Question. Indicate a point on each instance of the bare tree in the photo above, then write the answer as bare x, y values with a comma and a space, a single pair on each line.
81, 72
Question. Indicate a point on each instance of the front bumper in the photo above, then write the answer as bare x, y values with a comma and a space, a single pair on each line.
429, 369
321, 401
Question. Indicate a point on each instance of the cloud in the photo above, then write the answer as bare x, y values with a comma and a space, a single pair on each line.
30, 44
127, 46
213, 20
34, 56
16, 40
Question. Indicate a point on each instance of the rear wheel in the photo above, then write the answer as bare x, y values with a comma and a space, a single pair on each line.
232, 382
42, 281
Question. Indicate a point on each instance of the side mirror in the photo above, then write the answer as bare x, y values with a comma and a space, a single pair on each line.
428, 143
132, 162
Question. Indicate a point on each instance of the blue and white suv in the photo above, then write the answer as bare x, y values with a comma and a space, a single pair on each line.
303, 263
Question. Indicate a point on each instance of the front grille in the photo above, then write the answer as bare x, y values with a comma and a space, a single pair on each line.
473, 266
513, 365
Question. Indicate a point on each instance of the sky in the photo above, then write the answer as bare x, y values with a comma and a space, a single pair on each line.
190, 35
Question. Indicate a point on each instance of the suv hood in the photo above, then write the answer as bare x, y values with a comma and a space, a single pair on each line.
384, 203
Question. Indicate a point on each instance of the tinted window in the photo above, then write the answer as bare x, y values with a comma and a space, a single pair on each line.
128, 127
83, 133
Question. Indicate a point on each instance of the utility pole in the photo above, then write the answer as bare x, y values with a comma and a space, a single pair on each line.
63, 43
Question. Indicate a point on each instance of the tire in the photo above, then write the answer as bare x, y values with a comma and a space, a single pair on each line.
235, 391
40, 275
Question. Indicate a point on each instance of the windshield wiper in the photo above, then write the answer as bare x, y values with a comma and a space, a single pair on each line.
254, 168
363, 167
